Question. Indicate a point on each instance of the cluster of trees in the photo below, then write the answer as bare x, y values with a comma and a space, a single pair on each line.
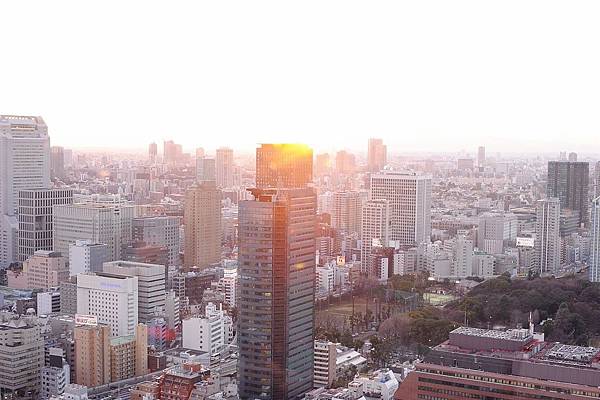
569, 307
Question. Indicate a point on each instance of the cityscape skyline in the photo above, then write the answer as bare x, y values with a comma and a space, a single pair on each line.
340, 200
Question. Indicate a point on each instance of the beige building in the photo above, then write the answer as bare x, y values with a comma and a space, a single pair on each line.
325, 359
202, 219
92, 355
45, 269
129, 355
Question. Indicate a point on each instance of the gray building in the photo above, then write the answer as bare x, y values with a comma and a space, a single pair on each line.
162, 231
21, 358
276, 293
99, 222
151, 285
569, 182
68, 296
35, 218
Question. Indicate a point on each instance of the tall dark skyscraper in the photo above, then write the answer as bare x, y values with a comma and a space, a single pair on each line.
569, 182
276, 293
283, 165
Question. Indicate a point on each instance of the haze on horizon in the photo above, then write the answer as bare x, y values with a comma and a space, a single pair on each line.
424, 76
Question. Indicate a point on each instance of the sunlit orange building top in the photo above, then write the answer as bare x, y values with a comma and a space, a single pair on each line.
283, 165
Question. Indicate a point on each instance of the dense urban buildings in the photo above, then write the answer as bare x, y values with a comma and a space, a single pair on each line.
276, 296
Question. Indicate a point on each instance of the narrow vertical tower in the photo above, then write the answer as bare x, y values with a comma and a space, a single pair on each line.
276, 293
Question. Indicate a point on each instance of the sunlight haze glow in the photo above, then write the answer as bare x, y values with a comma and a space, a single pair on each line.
423, 75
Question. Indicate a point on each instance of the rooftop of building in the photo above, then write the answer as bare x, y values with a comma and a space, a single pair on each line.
519, 344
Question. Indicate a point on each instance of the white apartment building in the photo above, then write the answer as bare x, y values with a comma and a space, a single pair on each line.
24, 164
151, 285
113, 299
594, 264
99, 222
409, 197
85, 256
547, 235
325, 279
208, 333
376, 225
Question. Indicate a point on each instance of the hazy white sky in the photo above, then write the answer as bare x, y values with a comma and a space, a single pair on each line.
423, 75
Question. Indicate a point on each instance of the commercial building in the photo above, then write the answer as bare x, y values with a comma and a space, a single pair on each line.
495, 231
48, 302
409, 197
283, 166
162, 231
24, 164
141, 252
224, 167
276, 293
205, 169
35, 218
202, 219
376, 155
569, 182
85, 256
105, 223
376, 226
21, 358
206, 333
113, 299
151, 285
547, 236
513, 364
45, 270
